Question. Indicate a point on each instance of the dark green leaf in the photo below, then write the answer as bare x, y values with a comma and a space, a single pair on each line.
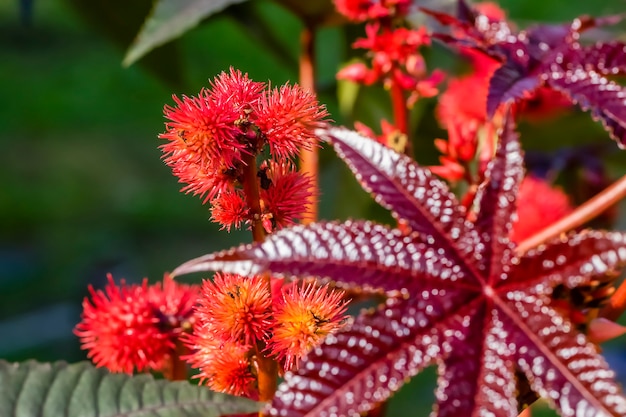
31, 389
170, 19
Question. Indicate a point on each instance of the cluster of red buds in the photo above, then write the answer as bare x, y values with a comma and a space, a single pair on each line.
215, 139
392, 48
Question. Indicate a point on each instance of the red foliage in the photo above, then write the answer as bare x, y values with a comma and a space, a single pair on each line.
550, 56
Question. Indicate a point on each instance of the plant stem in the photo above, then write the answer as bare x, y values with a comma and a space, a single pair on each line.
177, 370
253, 197
307, 57
309, 157
267, 368
400, 113
587, 211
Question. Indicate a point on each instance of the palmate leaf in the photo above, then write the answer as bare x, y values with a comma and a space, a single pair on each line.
362, 254
398, 184
606, 99
80, 390
458, 296
551, 56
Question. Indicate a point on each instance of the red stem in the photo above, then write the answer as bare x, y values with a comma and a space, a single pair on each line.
253, 197
267, 368
267, 373
400, 113
587, 211
177, 370
309, 157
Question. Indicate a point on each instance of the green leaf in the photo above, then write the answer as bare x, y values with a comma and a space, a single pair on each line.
170, 19
347, 93
33, 389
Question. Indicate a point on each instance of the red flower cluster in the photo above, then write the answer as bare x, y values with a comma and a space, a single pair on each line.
215, 137
538, 206
240, 318
394, 50
362, 10
130, 327
395, 59
462, 111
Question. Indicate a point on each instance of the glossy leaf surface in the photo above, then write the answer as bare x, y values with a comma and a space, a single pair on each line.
459, 296
80, 390
552, 56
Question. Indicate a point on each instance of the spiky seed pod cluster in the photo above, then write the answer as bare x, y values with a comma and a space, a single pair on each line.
241, 318
131, 327
213, 138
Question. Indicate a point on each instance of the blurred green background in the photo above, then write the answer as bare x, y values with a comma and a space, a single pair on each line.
83, 190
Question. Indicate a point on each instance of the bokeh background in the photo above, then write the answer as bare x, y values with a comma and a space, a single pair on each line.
83, 190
